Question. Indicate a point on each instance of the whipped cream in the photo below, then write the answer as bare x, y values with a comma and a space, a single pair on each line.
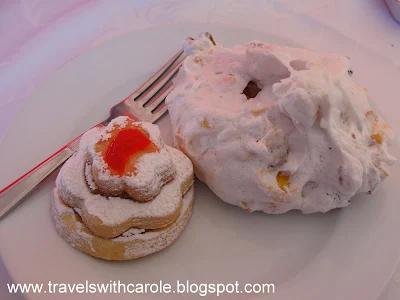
308, 140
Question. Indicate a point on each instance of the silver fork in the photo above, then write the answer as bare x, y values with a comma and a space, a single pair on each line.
145, 105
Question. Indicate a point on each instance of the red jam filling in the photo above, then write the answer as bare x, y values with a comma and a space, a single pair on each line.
125, 144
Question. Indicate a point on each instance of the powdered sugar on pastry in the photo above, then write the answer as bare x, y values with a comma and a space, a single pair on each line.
132, 244
123, 227
301, 135
89, 177
151, 170
111, 211
77, 236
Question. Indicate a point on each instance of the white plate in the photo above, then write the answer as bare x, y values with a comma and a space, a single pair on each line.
344, 254
394, 7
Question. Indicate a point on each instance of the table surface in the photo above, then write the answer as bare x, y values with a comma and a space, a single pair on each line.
34, 26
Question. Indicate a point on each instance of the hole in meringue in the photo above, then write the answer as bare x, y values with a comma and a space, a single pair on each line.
299, 65
251, 90
308, 188
283, 180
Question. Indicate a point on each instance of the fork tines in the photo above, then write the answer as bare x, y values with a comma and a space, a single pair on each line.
147, 102
160, 78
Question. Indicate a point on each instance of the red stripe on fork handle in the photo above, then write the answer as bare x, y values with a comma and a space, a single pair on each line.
34, 169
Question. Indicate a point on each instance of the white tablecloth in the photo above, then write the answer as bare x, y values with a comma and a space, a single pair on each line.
29, 28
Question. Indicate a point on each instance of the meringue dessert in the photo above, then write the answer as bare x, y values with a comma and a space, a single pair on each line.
124, 194
271, 128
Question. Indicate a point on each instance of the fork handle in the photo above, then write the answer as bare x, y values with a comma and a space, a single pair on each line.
11, 195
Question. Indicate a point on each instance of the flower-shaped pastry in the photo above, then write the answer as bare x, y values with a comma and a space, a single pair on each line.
130, 158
